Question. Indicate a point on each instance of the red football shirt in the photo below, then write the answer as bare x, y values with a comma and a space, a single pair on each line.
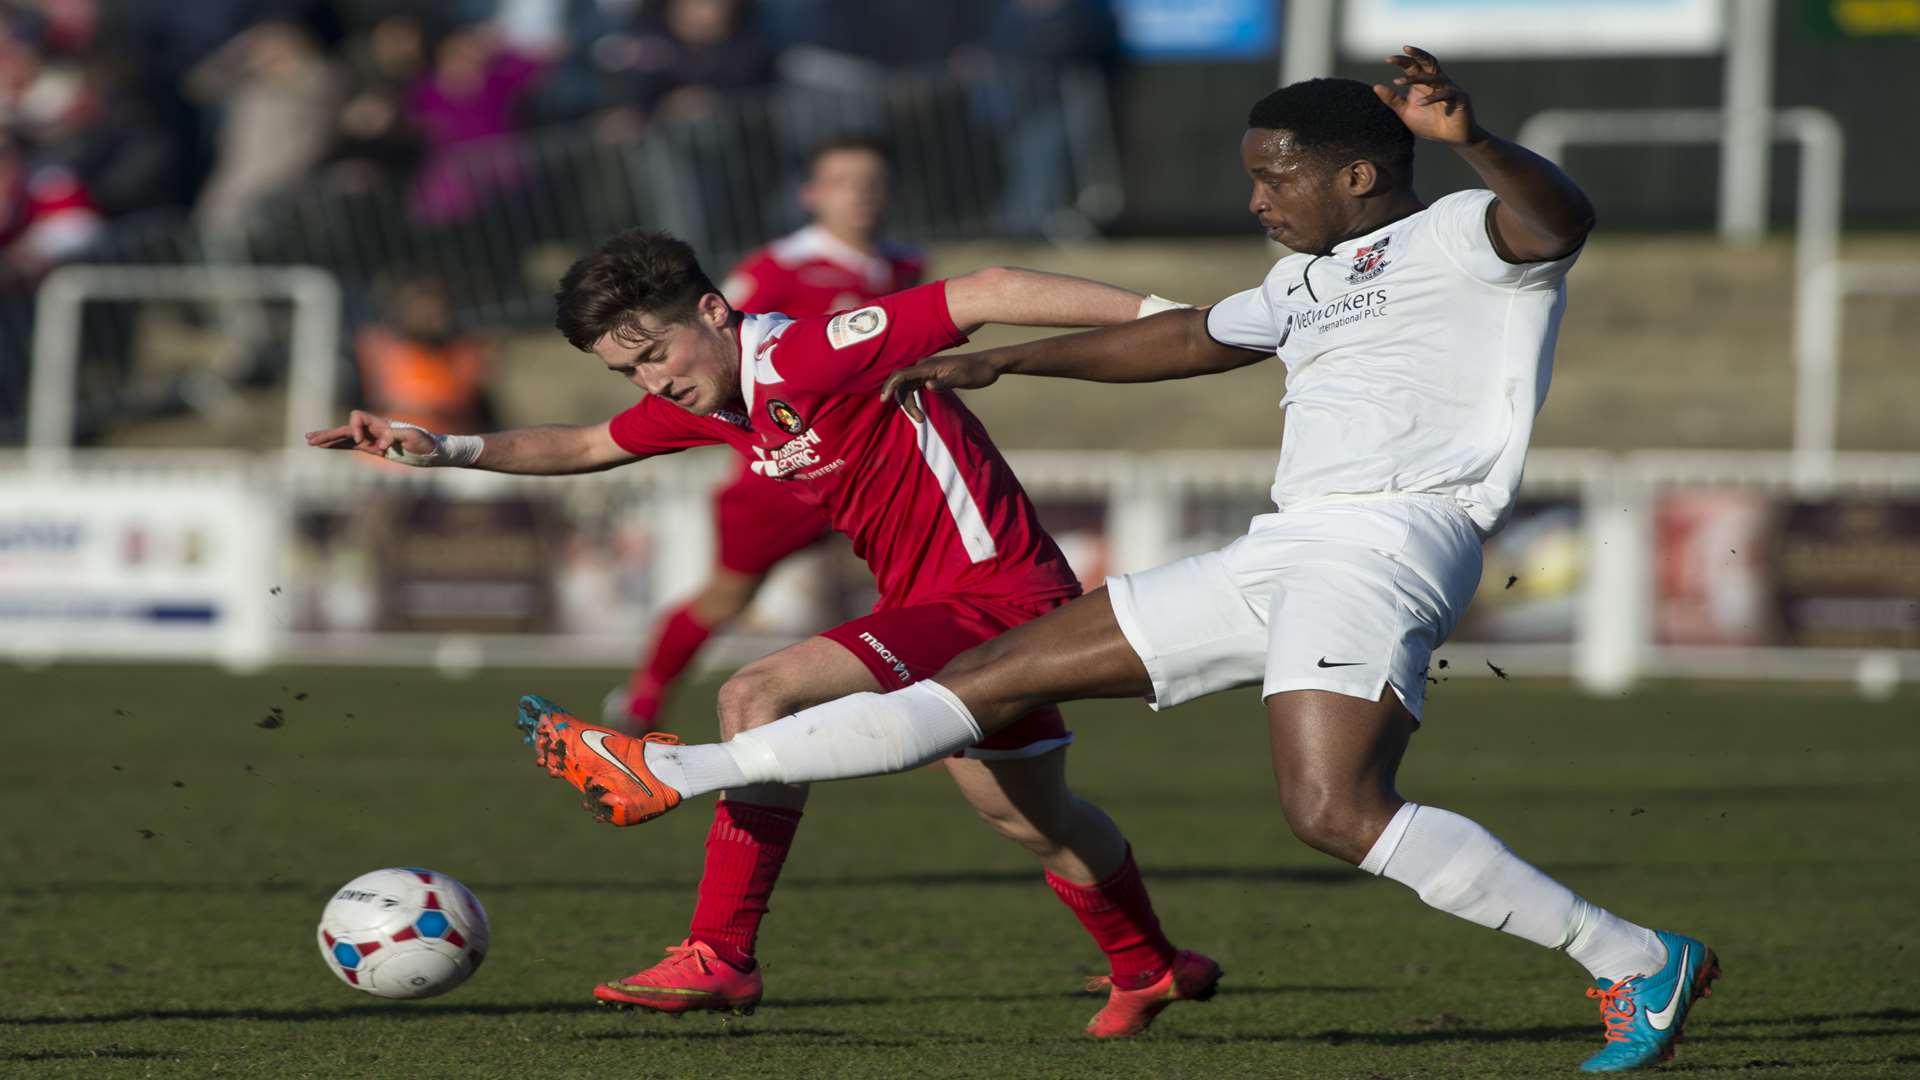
933, 508
811, 273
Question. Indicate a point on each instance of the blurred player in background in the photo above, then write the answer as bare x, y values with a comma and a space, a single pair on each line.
1418, 341
956, 547
837, 262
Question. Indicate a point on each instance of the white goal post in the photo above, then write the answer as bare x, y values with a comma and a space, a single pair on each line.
57, 329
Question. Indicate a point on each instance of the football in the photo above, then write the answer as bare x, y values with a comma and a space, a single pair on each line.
403, 932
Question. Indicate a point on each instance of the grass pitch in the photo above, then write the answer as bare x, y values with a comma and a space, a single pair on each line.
163, 859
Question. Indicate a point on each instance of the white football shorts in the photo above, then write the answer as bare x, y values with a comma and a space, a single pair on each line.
1349, 595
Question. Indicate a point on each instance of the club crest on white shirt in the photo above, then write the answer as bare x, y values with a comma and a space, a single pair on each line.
853, 327
1370, 261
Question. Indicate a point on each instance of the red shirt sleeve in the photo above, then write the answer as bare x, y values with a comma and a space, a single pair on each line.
855, 351
653, 427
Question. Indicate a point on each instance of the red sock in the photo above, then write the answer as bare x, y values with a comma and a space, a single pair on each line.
1119, 915
674, 646
745, 849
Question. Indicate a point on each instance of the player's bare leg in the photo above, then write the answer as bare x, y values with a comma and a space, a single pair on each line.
1073, 652
794, 678
1027, 801
677, 638
1335, 758
1090, 867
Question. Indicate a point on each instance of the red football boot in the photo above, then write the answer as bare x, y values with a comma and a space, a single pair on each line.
1191, 977
689, 979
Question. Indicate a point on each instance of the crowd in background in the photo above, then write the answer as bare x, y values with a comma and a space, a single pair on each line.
111, 108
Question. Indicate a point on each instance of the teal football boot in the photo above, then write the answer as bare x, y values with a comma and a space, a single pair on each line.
1644, 1014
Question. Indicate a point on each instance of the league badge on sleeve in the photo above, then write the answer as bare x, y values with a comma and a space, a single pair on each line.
1369, 262
853, 327
785, 417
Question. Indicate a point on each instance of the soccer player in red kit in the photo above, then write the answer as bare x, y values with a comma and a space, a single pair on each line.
954, 543
837, 262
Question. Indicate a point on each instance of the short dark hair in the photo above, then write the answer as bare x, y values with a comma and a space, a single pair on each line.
851, 140
1337, 121
635, 273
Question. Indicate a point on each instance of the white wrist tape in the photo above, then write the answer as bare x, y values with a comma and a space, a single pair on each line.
1154, 305
448, 450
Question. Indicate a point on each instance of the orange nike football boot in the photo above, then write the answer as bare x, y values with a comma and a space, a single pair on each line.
689, 979
609, 768
1191, 977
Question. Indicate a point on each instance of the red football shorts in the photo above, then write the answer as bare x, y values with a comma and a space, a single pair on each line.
758, 523
903, 645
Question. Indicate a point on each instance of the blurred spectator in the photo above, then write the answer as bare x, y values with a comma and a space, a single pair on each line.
1026, 42
562, 33
848, 45
119, 144
416, 366
279, 93
74, 109
376, 137
677, 58
46, 214
464, 107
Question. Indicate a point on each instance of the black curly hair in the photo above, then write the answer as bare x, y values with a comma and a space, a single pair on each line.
635, 273
1336, 121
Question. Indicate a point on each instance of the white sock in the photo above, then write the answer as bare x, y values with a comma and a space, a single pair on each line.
1462, 869
695, 769
857, 735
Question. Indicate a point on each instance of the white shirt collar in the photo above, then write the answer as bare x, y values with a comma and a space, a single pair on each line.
755, 368
816, 240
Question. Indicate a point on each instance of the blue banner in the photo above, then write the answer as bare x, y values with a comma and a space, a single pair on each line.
1199, 29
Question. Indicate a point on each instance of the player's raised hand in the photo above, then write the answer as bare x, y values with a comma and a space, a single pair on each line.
371, 434
1435, 107
967, 371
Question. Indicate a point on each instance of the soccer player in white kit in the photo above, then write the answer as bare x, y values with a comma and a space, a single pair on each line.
1418, 341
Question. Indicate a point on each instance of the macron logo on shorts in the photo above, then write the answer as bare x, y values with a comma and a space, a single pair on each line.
886, 654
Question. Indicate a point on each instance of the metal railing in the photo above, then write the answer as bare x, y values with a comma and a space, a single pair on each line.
1025, 152
1145, 519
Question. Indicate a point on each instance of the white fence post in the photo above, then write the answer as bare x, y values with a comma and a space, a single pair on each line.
1615, 630
1143, 516
1745, 141
1817, 347
1306, 43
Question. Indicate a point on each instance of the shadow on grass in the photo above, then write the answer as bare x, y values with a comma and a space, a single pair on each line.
1825, 1065
101, 1053
1295, 875
1453, 1029
349, 1012
427, 1012
681, 1033
1227, 989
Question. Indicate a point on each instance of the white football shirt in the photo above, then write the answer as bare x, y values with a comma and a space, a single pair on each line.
1416, 359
